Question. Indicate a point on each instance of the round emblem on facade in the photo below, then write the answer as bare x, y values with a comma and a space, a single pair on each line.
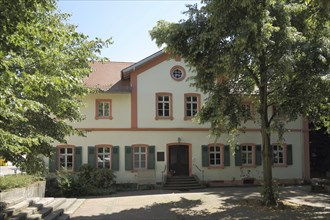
178, 73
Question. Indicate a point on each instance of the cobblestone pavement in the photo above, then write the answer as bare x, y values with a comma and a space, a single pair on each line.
211, 203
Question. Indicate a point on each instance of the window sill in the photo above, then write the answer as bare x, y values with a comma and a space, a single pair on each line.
249, 166
100, 118
188, 118
164, 118
280, 165
216, 167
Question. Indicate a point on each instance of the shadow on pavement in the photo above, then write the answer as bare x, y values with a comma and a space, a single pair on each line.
234, 206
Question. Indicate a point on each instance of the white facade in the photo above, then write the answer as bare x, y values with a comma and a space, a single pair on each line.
134, 122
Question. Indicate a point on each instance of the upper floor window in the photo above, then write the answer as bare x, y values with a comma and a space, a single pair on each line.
103, 109
103, 155
247, 110
65, 157
178, 73
164, 106
192, 105
139, 156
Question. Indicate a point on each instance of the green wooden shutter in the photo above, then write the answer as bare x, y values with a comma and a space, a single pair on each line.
91, 156
53, 164
226, 155
205, 155
289, 159
77, 157
238, 155
151, 157
115, 158
128, 158
258, 155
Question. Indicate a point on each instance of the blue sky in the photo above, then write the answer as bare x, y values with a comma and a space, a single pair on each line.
127, 21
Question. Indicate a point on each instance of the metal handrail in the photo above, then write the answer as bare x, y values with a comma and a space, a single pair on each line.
163, 171
202, 171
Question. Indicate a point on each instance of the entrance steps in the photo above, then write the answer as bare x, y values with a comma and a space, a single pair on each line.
182, 183
41, 208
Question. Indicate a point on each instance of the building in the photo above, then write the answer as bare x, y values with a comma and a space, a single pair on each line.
140, 118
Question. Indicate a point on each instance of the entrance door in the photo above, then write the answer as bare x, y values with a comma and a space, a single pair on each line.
179, 160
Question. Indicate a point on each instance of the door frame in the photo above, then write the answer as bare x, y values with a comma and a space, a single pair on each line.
168, 155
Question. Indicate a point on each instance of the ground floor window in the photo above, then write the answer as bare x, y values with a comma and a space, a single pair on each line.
65, 154
216, 155
139, 156
103, 155
247, 155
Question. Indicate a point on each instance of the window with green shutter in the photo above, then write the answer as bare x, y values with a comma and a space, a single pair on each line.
289, 154
77, 157
226, 155
258, 155
128, 158
205, 155
53, 161
151, 157
115, 158
238, 156
91, 156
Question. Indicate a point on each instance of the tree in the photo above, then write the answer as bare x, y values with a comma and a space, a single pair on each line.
275, 52
43, 62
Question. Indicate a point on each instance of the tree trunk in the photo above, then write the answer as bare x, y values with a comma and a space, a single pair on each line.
268, 190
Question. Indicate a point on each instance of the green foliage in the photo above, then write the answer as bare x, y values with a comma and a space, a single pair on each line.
17, 181
34, 165
43, 62
87, 181
275, 53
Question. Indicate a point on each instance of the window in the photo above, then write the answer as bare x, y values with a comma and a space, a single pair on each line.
103, 109
164, 106
278, 113
216, 155
65, 154
247, 155
192, 105
139, 157
178, 73
103, 155
247, 110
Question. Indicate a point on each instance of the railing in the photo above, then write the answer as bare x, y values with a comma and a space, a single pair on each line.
163, 172
202, 171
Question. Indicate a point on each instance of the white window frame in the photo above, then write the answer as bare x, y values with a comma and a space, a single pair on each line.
220, 152
65, 155
103, 154
140, 154
250, 161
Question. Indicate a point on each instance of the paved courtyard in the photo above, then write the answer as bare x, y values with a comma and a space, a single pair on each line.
212, 203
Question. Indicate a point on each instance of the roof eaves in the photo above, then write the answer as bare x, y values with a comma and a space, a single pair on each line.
128, 70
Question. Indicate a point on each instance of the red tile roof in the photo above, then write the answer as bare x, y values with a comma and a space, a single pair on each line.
107, 77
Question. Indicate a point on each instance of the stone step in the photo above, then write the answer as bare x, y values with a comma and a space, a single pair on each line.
74, 206
182, 183
17, 208
44, 208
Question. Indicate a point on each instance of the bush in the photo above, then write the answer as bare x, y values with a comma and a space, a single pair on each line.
17, 181
86, 182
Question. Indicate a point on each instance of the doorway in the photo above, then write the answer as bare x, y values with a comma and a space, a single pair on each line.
178, 162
